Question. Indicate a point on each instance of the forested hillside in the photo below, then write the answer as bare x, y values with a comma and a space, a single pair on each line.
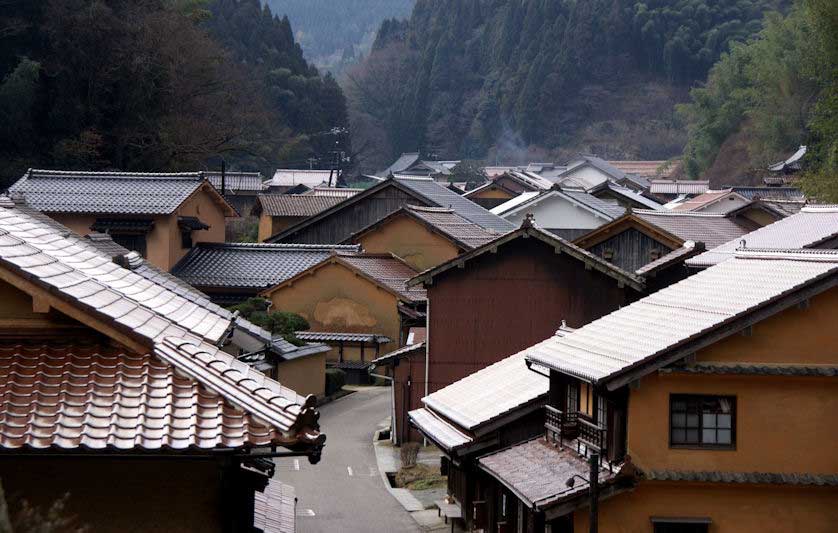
156, 85
769, 95
334, 33
486, 78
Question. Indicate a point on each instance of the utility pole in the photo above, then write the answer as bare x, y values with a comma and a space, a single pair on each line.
593, 481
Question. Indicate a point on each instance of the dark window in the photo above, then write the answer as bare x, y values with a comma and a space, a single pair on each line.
186, 239
681, 525
706, 421
131, 241
601, 411
573, 396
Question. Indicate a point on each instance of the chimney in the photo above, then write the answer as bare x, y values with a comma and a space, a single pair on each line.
223, 177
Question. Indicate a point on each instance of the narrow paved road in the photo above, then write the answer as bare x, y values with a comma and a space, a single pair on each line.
344, 492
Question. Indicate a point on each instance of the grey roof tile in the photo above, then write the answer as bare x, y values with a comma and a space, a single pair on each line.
58, 191
296, 205
647, 329
438, 430
236, 181
253, 266
774, 478
810, 227
442, 196
448, 222
710, 228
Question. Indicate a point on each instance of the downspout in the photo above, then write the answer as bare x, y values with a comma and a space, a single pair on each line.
427, 351
392, 401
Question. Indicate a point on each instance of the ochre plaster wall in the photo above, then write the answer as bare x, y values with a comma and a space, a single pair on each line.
207, 209
306, 375
415, 244
783, 424
732, 508
491, 192
334, 298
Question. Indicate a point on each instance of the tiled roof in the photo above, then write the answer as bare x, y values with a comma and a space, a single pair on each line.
450, 223
57, 191
638, 336
296, 205
256, 266
663, 186
291, 177
538, 472
704, 200
648, 169
405, 161
793, 163
489, 393
275, 509
632, 196
401, 352
335, 336
710, 228
98, 397
389, 271
676, 256
438, 430
809, 228
786, 194
522, 199
236, 181
611, 209
174, 329
762, 478
442, 196
343, 192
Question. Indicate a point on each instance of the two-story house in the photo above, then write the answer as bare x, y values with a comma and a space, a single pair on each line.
158, 215
710, 403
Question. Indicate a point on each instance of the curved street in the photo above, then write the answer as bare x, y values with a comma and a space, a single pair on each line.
345, 492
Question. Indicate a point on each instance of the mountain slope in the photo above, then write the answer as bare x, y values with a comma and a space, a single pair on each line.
478, 78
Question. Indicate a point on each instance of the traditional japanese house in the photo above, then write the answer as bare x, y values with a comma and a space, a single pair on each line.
503, 296
160, 216
338, 223
566, 213
814, 227
605, 181
656, 244
422, 237
117, 389
350, 293
491, 194
301, 368
240, 189
231, 273
285, 179
673, 404
277, 212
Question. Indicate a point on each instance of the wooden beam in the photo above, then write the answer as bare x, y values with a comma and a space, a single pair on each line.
40, 305
109, 329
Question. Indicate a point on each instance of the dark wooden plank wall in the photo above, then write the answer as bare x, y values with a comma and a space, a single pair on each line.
341, 224
502, 303
631, 249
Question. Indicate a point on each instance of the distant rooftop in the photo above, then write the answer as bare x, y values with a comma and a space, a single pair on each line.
295, 205
254, 266
132, 193
236, 181
713, 229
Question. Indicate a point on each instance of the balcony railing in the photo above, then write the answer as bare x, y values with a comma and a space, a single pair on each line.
568, 428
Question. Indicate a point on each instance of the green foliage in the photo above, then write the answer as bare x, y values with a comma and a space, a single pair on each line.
334, 32
142, 85
774, 88
257, 310
822, 178
335, 380
472, 77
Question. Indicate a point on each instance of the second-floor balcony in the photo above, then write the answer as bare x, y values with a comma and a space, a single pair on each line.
571, 430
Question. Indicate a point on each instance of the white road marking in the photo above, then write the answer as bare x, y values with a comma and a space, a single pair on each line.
306, 512
349, 469
296, 464
372, 472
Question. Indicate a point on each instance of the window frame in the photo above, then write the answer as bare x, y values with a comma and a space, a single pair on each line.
700, 445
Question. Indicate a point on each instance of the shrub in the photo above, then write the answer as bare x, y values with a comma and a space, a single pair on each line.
409, 453
277, 322
335, 380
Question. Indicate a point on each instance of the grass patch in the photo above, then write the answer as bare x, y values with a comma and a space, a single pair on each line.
420, 477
